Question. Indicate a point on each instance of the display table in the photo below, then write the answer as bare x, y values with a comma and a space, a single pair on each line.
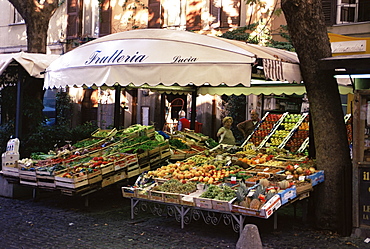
185, 214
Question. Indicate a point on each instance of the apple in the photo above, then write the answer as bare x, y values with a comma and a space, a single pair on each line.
289, 168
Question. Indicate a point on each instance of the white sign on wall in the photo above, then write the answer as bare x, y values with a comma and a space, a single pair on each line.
348, 46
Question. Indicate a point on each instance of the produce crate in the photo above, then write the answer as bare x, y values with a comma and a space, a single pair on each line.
156, 195
164, 146
10, 171
94, 177
128, 192
264, 212
131, 159
133, 170
203, 202
107, 168
222, 205
171, 197
45, 179
100, 133
150, 131
186, 200
178, 156
27, 175
142, 193
143, 155
107, 181
119, 176
120, 164
154, 151
70, 183
155, 159
165, 154
144, 167
303, 187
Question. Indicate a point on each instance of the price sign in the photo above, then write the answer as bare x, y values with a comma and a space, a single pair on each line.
364, 196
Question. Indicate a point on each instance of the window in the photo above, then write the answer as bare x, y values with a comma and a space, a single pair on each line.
349, 11
17, 17
225, 13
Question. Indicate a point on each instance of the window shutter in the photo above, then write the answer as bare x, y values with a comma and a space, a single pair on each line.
329, 9
155, 14
229, 10
235, 16
105, 18
215, 12
193, 15
74, 27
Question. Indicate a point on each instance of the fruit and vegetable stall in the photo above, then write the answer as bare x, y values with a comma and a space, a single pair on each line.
107, 157
225, 183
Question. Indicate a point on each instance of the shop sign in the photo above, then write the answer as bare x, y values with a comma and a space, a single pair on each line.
348, 46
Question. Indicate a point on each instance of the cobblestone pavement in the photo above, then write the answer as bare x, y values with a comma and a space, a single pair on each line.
57, 221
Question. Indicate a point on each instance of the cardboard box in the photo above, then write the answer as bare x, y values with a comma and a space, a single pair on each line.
288, 194
264, 212
223, 205
270, 207
316, 178
203, 202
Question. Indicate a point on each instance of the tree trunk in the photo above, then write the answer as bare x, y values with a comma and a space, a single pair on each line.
307, 29
36, 17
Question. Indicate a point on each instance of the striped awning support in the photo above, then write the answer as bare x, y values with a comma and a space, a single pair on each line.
273, 69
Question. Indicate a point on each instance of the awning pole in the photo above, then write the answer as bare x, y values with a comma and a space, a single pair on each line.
18, 114
193, 108
117, 107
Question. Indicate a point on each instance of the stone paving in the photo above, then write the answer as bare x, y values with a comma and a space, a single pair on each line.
57, 221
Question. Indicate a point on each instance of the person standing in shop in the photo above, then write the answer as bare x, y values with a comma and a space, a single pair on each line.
248, 126
183, 123
224, 133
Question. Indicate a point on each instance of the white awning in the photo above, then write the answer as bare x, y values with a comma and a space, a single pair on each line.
152, 56
33, 63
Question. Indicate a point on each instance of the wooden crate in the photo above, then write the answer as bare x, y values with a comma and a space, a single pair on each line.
171, 197
107, 181
119, 176
154, 151
27, 175
10, 171
156, 195
28, 182
144, 167
70, 183
304, 187
94, 177
120, 164
142, 193
165, 154
128, 192
133, 170
107, 168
